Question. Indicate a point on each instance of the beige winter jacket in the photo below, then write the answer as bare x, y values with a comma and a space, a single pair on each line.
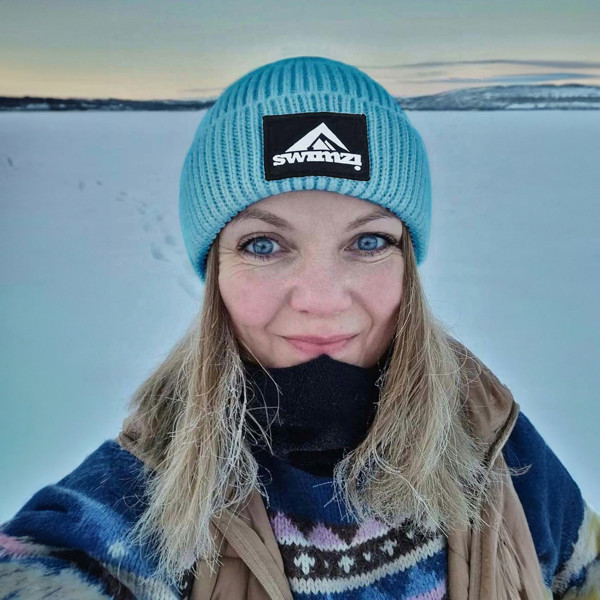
481, 565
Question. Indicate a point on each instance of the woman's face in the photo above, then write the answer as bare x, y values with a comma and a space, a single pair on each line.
312, 277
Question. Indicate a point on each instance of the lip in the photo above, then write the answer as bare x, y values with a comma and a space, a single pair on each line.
315, 349
313, 339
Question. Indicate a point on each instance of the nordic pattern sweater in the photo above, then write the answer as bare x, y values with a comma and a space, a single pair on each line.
67, 541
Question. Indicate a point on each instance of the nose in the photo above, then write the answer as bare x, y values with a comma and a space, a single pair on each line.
320, 288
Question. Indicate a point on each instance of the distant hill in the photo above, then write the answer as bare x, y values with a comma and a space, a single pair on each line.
30, 103
510, 97
501, 97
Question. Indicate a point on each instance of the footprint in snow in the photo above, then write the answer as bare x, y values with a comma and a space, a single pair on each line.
165, 246
157, 252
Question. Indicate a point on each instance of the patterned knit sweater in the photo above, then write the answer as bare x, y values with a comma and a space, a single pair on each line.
326, 554
67, 541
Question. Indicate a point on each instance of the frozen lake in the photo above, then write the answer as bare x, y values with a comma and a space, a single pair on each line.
97, 286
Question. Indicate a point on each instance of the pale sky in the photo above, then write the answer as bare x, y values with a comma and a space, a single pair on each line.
179, 49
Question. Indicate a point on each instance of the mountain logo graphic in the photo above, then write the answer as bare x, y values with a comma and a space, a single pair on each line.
320, 145
317, 143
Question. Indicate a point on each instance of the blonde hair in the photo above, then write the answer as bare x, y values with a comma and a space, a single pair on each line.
420, 457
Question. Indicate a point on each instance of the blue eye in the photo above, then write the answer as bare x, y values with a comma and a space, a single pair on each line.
375, 249
264, 243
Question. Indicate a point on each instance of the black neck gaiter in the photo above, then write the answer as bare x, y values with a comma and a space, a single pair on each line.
326, 407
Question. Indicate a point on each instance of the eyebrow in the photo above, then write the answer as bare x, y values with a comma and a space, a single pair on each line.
254, 212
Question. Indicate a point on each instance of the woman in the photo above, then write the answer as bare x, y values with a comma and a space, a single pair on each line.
387, 463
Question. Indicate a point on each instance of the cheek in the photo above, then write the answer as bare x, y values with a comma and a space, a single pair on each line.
381, 290
249, 304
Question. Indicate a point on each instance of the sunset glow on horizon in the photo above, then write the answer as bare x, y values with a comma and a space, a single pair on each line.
154, 49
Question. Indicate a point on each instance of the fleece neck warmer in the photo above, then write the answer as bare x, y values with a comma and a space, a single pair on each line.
326, 407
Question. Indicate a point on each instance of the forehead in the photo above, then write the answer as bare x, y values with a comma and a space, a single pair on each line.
257, 213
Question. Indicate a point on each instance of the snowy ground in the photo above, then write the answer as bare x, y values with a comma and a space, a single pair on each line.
96, 285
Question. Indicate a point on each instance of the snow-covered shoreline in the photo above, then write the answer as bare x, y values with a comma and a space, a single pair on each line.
570, 96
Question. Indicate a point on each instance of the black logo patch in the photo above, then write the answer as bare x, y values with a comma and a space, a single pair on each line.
316, 143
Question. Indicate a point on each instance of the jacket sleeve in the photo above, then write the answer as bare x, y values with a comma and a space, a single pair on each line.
43, 550
579, 577
70, 539
32, 571
63, 542
564, 527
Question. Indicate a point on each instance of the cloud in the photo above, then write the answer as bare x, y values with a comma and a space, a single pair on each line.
201, 90
518, 78
555, 64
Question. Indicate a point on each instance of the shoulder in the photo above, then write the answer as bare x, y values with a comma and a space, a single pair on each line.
105, 489
69, 537
564, 527
562, 524
489, 404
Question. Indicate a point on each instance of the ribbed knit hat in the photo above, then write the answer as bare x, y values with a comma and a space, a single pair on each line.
302, 123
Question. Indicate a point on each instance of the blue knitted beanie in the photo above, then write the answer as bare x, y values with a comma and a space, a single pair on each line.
302, 123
